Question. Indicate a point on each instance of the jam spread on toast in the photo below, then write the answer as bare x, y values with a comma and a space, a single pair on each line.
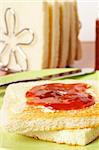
58, 96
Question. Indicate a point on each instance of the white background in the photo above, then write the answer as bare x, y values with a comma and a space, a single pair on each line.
88, 12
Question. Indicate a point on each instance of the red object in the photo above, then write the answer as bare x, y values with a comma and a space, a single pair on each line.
59, 96
97, 44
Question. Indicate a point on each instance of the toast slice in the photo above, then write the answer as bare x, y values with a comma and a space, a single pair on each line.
64, 32
71, 137
18, 117
54, 33
41, 28
73, 36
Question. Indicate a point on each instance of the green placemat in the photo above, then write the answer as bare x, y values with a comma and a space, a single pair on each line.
17, 142
31, 74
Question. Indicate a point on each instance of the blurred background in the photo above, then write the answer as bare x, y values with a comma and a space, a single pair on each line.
88, 12
86, 35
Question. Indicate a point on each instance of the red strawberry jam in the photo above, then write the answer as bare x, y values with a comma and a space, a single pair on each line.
60, 96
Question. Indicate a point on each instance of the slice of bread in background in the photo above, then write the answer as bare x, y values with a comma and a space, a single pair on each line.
17, 116
64, 32
73, 34
39, 55
54, 33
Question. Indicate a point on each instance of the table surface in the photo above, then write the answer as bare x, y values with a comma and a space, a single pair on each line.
17, 142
